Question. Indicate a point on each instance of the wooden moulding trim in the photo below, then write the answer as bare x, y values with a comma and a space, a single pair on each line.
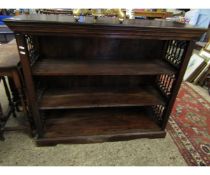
100, 138
108, 31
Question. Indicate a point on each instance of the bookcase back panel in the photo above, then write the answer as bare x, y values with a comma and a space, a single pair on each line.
96, 81
99, 48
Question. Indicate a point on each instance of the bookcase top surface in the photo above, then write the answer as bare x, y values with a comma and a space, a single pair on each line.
106, 21
40, 24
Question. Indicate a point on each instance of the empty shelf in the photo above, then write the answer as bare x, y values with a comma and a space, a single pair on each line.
96, 97
98, 125
65, 67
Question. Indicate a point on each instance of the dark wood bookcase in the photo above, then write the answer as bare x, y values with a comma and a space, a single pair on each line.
99, 80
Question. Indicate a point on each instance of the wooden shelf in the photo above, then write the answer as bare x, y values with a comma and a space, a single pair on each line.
98, 125
99, 97
65, 67
57, 52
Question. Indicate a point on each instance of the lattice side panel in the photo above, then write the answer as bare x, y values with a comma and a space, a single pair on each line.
32, 48
165, 83
175, 52
158, 112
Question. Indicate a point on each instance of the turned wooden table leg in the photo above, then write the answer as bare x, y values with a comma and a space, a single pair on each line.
1, 112
11, 104
14, 92
1, 123
1, 120
18, 88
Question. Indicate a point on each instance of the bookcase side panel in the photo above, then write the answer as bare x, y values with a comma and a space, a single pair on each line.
184, 50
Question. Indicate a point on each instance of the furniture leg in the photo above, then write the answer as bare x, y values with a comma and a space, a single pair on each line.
5, 38
11, 104
1, 123
14, 91
30, 89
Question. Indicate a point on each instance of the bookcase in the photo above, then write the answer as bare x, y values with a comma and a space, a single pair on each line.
99, 80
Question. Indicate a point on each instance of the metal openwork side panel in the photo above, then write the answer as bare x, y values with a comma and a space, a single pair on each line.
165, 83
174, 54
32, 48
158, 111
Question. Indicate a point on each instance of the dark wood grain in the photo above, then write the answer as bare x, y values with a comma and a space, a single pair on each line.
62, 67
98, 48
28, 81
100, 139
99, 97
98, 81
103, 21
98, 125
103, 27
97, 66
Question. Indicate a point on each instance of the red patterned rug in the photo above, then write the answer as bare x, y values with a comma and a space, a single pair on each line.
189, 126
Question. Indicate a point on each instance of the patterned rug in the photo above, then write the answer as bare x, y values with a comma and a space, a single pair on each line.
189, 126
